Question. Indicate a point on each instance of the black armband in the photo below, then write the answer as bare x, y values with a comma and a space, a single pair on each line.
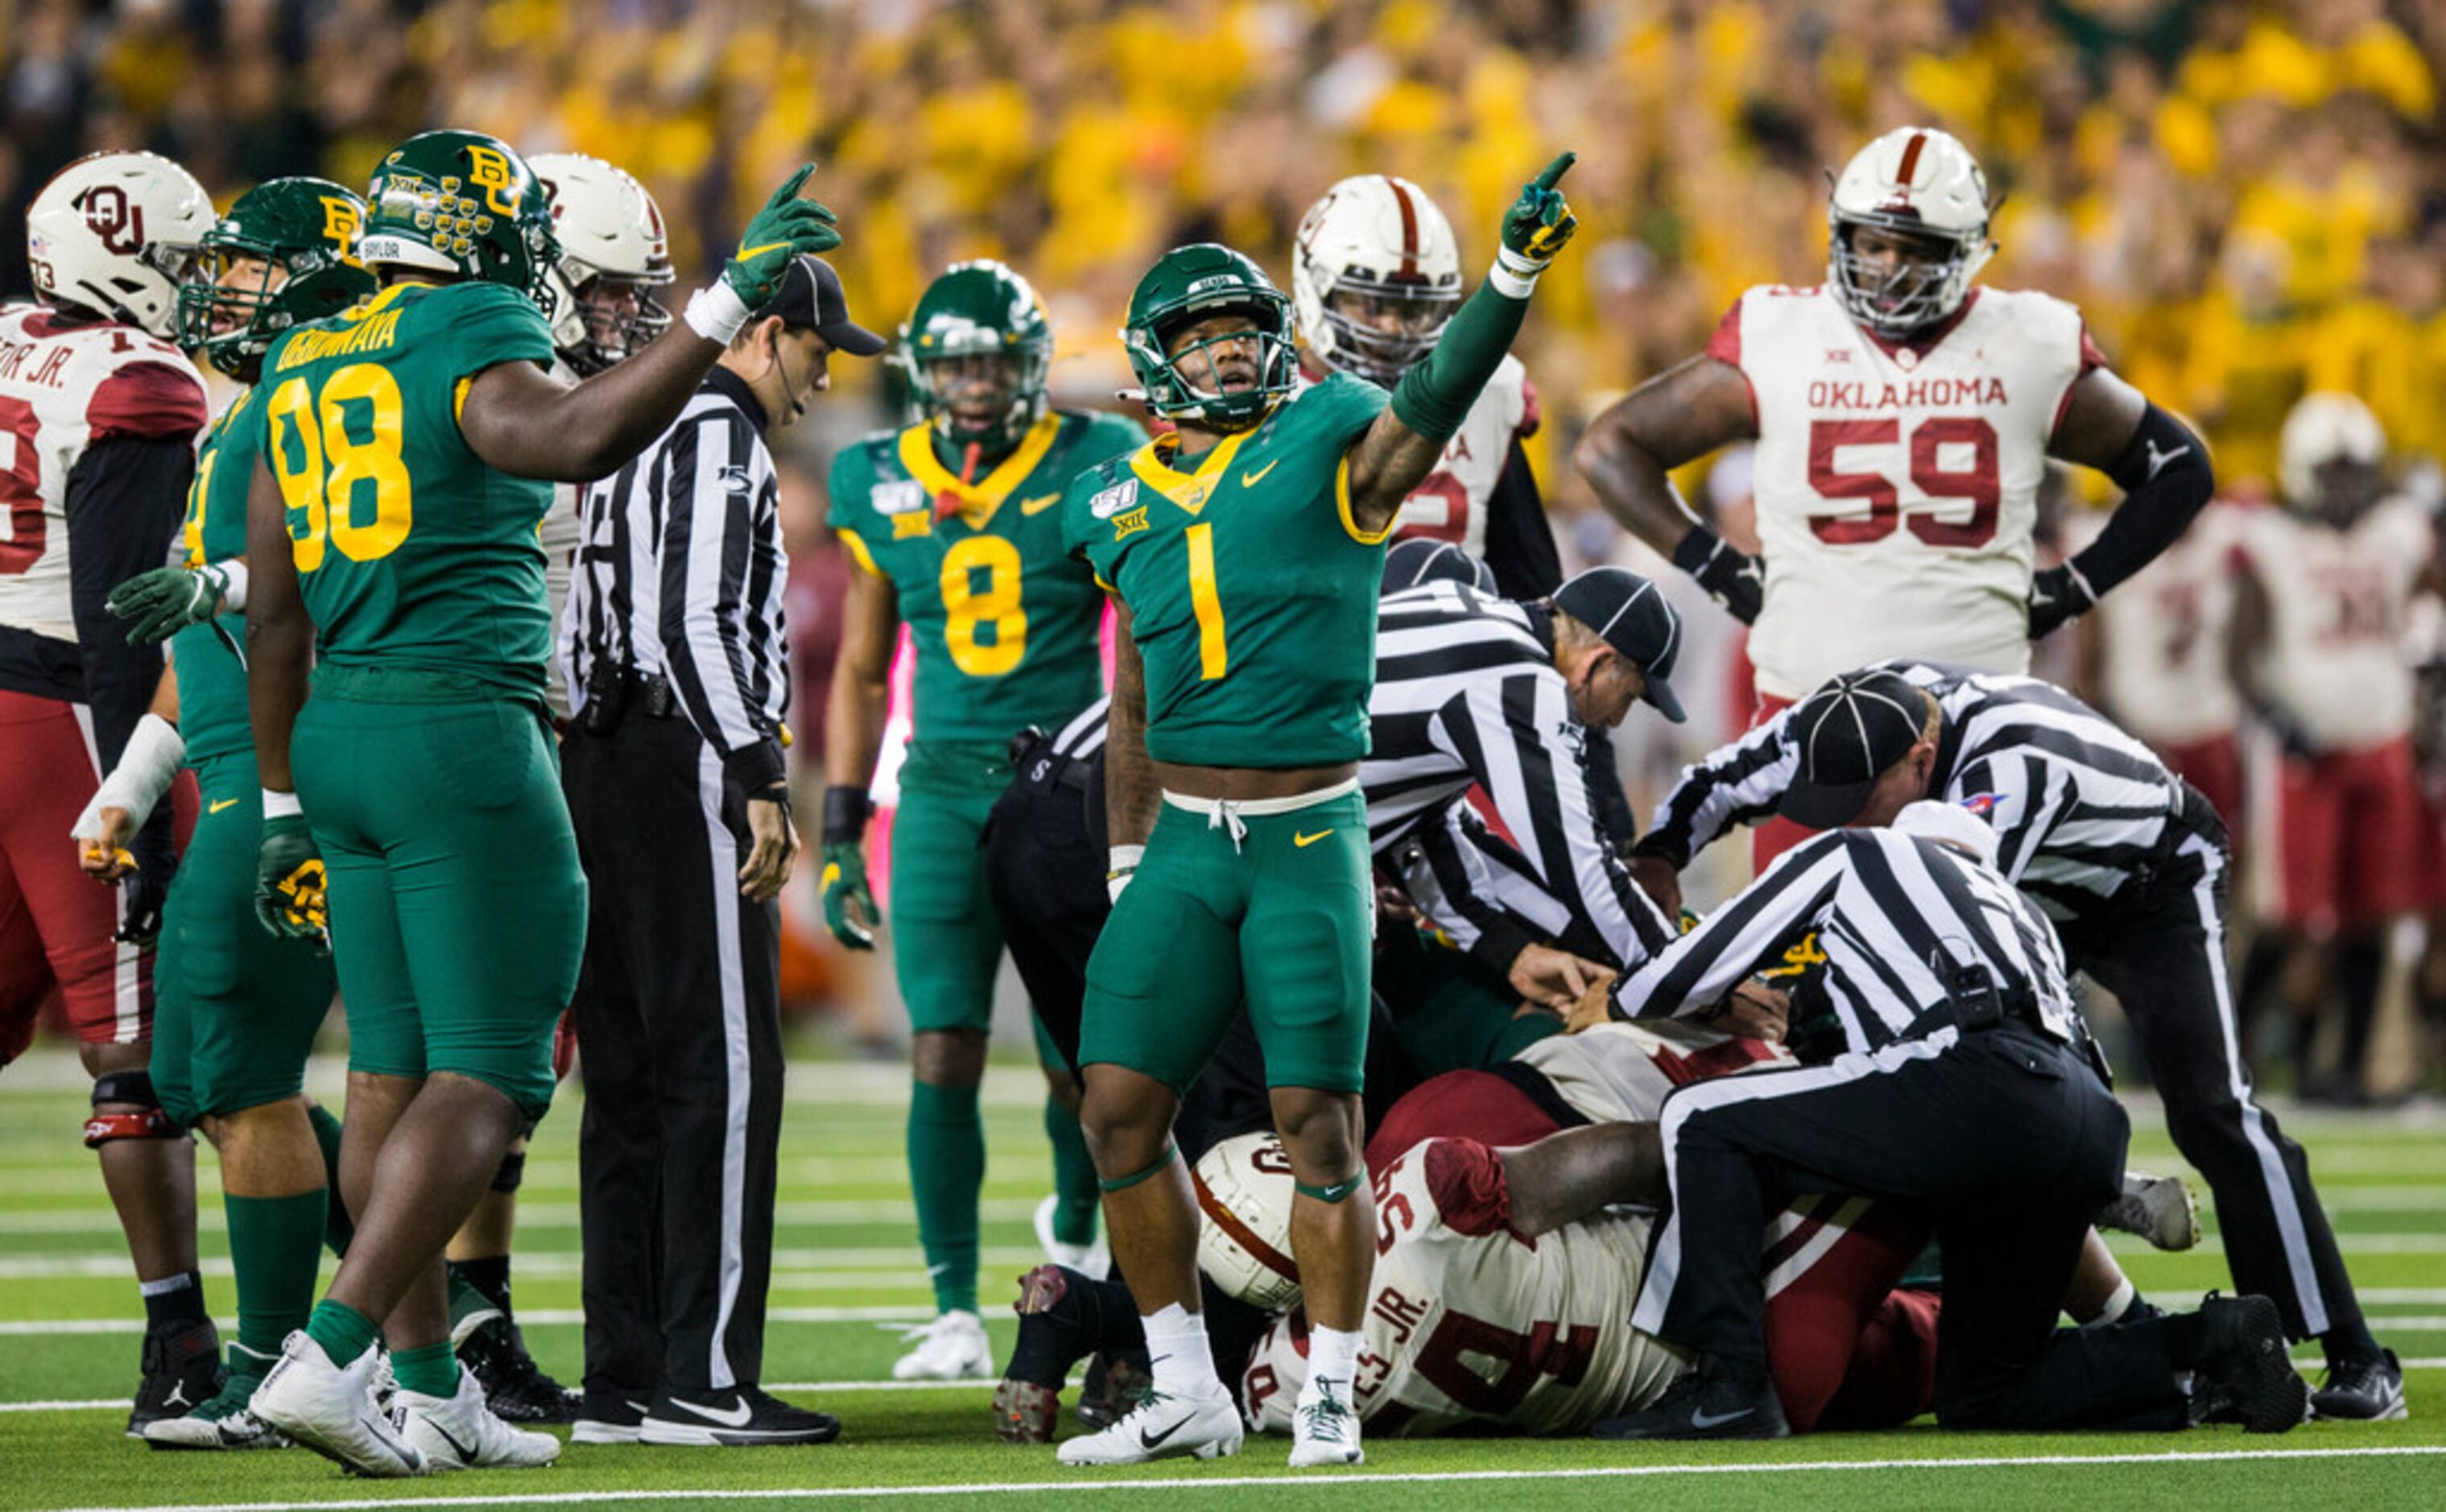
2166, 478
845, 811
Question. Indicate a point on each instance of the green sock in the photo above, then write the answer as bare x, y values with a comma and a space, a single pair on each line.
430, 1369
343, 1332
946, 1166
338, 1228
276, 1243
1074, 1177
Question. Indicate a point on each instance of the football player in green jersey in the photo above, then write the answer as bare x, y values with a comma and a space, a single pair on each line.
237, 1009
953, 526
1245, 554
410, 449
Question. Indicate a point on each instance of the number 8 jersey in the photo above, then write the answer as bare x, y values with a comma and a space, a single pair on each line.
413, 552
1897, 484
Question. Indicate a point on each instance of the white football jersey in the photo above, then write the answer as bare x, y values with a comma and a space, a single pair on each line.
63, 387
557, 532
2337, 618
1897, 487
2165, 633
1468, 1323
1618, 1072
1450, 504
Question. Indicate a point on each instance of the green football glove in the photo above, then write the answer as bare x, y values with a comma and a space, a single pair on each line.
1539, 223
842, 883
288, 897
786, 227
166, 600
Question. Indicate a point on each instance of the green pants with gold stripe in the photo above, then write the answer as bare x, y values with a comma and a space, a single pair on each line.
1275, 907
237, 1009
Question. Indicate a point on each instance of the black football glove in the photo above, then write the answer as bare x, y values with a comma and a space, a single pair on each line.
1733, 578
2057, 594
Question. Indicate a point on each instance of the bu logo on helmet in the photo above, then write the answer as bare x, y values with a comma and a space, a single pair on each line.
118, 220
490, 171
341, 224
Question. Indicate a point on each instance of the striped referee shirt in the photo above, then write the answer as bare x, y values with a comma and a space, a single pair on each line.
680, 573
1467, 695
2079, 807
1896, 916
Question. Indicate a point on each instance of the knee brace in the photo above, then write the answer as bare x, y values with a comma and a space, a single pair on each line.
1335, 1193
148, 1122
1123, 1183
512, 1172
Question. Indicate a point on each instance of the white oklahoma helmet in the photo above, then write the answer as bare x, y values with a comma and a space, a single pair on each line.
116, 233
1244, 1231
609, 227
2322, 428
1924, 182
1375, 274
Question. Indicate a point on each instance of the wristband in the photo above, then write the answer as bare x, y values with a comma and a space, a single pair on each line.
845, 811
1514, 281
280, 806
1124, 859
146, 769
716, 312
233, 580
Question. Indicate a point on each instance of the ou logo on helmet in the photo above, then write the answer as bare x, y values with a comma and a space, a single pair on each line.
114, 217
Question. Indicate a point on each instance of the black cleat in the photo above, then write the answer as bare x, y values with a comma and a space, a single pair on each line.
182, 1371
2245, 1373
741, 1415
2363, 1390
611, 1415
1705, 1405
1113, 1385
515, 1388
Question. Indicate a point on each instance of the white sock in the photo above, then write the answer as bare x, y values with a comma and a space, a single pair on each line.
2117, 1305
1175, 1341
1332, 1360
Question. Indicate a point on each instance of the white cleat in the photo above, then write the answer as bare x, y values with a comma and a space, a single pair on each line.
2160, 1209
1324, 1431
1094, 1261
459, 1432
327, 1408
952, 1347
1163, 1427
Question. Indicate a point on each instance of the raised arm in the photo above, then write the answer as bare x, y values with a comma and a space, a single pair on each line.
1627, 452
1395, 453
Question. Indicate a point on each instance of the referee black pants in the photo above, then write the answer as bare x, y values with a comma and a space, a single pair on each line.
2159, 946
2009, 1142
678, 1020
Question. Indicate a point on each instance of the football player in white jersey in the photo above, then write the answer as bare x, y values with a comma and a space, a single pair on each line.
1904, 418
2321, 610
99, 418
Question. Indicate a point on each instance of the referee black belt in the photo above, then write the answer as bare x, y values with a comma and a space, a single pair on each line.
614, 693
1043, 769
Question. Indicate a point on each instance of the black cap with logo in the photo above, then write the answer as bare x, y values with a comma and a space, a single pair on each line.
810, 298
1847, 734
1629, 615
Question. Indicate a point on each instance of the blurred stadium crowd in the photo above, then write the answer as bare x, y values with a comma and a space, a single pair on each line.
2245, 197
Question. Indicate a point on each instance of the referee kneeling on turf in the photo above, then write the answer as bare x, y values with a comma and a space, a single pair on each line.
1967, 1084
677, 665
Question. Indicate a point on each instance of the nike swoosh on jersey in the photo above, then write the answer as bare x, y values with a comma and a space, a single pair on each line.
730, 1417
215, 808
1039, 504
1250, 479
1303, 841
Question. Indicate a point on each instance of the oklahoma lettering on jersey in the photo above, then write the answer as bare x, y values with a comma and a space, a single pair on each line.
2164, 633
1450, 504
2337, 618
64, 387
1897, 485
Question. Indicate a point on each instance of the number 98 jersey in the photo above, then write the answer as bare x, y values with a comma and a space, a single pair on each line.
1469, 1324
1003, 621
414, 554
1897, 484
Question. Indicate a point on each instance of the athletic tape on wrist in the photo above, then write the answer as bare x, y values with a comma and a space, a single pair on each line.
1514, 284
233, 581
281, 806
716, 312
1123, 1183
146, 769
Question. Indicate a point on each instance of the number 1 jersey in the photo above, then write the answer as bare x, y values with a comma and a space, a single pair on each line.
1897, 484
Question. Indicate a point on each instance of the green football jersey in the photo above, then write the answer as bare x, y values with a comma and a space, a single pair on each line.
1252, 590
414, 554
1004, 619
210, 658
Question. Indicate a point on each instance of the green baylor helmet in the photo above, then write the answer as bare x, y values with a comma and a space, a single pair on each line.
307, 227
979, 309
462, 203
1187, 284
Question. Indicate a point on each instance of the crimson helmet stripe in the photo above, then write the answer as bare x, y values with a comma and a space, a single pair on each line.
1409, 227
1910, 158
1241, 1234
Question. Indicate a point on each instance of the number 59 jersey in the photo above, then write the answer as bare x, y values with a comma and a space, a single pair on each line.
1897, 485
1470, 1324
414, 554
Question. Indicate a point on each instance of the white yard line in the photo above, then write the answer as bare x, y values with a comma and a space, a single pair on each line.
527, 1317
1076, 1485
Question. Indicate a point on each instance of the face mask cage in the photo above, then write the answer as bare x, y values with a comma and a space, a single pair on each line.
1383, 330
613, 335
1912, 294
1017, 392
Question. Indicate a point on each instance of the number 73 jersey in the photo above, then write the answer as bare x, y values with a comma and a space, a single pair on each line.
412, 552
1897, 485
1003, 621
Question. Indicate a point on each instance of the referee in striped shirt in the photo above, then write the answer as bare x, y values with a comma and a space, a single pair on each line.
677, 663
1964, 1084
2131, 861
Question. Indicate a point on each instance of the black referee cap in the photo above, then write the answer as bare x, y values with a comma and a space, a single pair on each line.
1628, 613
1419, 561
1847, 732
810, 298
